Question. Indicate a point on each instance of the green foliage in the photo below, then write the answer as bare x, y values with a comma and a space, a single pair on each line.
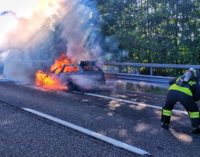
154, 31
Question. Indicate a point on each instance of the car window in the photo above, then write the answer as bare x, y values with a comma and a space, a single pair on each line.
90, 68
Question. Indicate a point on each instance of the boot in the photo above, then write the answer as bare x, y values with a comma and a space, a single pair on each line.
165, 126
196, 130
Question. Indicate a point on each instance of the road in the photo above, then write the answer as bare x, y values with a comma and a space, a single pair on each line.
132, 118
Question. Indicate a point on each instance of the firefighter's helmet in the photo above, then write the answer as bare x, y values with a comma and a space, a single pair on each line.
190, 74
193, 71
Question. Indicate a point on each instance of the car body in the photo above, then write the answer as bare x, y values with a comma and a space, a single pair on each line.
85, 76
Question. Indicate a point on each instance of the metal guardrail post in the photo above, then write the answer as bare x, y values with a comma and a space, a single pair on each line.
119, 68
151, 71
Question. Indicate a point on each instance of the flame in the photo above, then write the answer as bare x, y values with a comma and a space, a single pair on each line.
50, 81
59, 64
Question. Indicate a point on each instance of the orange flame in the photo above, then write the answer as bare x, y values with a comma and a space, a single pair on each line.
59, 64
50, 81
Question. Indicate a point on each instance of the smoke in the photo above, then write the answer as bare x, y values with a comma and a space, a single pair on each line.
7, 12
111, 46
40, 30
81, 32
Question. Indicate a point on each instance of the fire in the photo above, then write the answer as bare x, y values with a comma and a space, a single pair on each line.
59, 65
51, 80
48, 81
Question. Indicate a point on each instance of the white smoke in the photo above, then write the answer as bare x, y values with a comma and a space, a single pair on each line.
79, 27
41, 30
23, 8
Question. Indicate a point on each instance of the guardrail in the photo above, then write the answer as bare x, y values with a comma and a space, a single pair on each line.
164, 81
131, 71
115, 67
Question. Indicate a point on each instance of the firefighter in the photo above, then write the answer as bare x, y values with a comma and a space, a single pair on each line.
184, 89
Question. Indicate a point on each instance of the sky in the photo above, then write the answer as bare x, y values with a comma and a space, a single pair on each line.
22, 9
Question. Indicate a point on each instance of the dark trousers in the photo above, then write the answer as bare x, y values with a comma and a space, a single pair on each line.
187, 101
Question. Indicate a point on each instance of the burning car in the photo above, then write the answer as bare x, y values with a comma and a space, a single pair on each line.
85, 76
66, 75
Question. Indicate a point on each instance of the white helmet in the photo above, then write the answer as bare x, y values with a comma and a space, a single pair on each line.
190, 74
194, 72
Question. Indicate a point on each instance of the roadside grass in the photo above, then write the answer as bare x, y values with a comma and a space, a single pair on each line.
141, 87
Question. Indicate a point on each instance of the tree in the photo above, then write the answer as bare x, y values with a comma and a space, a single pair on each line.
154, 31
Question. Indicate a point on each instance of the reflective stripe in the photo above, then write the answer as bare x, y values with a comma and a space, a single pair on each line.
181, 89
194, 115
192, 83
178, 79
166, 112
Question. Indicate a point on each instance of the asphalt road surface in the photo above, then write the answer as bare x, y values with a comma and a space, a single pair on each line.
132, 118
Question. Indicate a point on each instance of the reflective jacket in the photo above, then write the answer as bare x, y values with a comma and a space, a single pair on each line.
196, 94
186, 87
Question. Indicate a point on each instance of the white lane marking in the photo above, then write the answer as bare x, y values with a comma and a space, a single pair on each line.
132, 102
90, 133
